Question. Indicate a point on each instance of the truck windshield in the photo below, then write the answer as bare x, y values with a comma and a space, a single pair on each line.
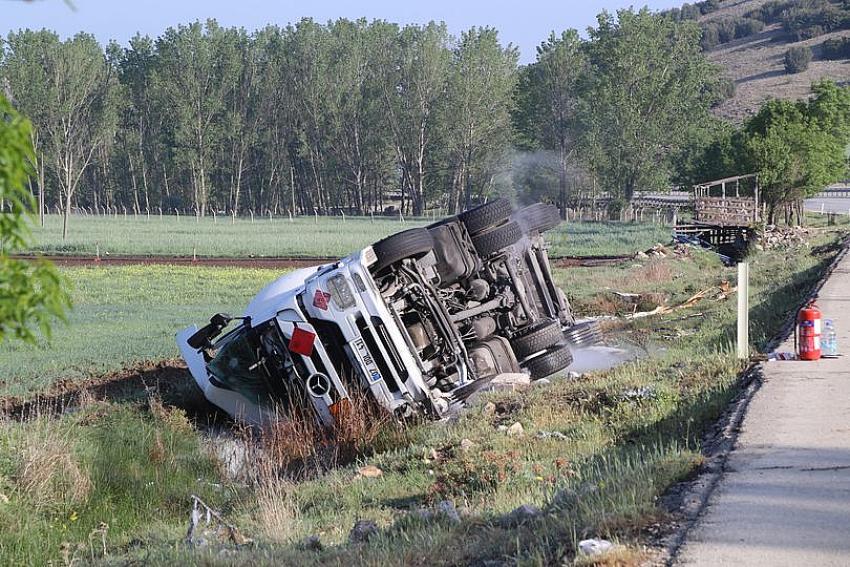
256, 364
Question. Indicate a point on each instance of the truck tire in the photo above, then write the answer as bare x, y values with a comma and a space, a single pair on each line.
413, 243
486, 216
540, 217
540, 336
497, 239
553, 360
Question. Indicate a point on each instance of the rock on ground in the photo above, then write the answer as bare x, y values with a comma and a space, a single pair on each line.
363, 531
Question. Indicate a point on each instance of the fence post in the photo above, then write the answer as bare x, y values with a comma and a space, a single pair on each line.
744, 310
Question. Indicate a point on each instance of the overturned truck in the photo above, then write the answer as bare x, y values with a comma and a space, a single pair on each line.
420, 321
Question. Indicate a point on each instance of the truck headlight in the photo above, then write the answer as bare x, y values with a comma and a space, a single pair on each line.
340, 291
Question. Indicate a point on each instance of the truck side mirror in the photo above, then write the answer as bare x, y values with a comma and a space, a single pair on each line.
202, 337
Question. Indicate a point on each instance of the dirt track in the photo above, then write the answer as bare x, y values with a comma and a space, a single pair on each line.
264, 262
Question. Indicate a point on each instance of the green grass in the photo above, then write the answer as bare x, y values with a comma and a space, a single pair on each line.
616, 452
327, 237
125, 315
118, 466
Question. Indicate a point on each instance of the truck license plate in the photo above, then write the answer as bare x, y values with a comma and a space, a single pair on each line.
373, 375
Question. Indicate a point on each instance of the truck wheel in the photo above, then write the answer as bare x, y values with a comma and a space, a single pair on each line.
497, 239
540, 217
554, 360
413, 243
539, 336
481, 218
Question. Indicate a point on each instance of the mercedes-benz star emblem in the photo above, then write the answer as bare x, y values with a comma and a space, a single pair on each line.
318, 385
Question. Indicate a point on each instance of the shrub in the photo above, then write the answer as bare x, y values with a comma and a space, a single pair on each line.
836, 49
710, 37
797, 59
726, 28
709, 6
690, 12
810, 32
726, 88
746, 27
768, 12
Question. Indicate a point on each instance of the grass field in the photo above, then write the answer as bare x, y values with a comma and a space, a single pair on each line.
594, 456
302, 237
125, 315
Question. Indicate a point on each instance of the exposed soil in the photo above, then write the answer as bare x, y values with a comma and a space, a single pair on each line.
169, 380
265, 262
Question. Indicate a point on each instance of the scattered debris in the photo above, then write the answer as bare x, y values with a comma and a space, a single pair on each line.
637, 394
551, 435
774, 237
370, 471
431, 455
312, 543
781, 356
489, 408
445, 510
362, 531
716, 293
593, 547
520, 515
516, 430
573, 375
207, 525
466, 445
510, 382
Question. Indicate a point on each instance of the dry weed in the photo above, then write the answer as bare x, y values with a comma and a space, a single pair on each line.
158, 452
173, 418
655, 271
277, 515
297, 445
48, 472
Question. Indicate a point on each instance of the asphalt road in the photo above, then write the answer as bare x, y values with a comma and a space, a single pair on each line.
785, 496
840, 205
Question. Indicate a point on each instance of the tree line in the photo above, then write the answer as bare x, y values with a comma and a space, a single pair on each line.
357, 116
305, 118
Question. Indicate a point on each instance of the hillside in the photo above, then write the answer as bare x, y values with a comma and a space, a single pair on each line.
756, 62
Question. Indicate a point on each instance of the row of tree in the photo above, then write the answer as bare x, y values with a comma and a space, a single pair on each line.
306, 117
357, 115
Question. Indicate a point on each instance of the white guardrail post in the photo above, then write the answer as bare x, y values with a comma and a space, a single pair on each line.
744, 310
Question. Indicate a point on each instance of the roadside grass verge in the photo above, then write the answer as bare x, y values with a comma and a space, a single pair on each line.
594, 455
303, 237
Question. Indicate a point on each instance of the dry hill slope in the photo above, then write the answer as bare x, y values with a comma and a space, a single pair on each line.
757, 63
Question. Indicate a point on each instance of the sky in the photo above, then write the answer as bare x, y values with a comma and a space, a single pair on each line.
524, 23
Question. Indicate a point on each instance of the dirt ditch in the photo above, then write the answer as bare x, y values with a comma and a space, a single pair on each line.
169, 380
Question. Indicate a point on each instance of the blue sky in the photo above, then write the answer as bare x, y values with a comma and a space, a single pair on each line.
524, 23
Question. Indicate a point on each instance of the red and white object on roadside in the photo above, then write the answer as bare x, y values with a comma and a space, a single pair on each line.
809, 332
